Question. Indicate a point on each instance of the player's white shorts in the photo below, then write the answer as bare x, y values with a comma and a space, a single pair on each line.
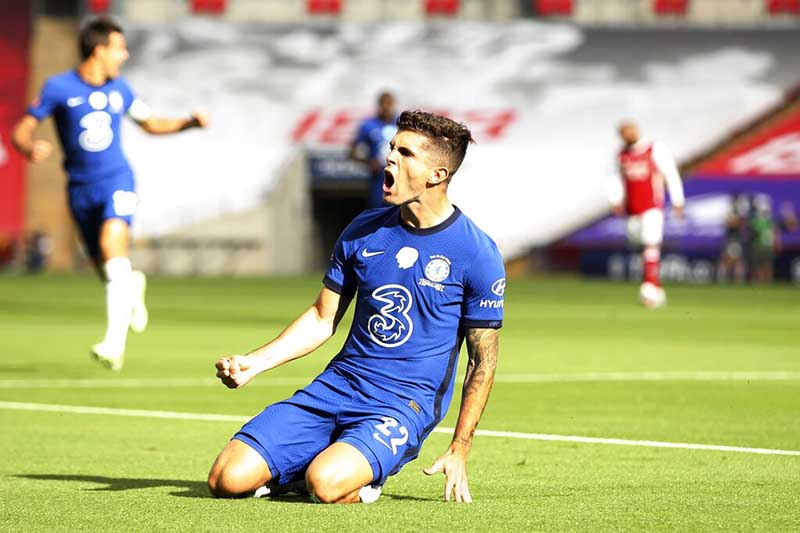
646, 229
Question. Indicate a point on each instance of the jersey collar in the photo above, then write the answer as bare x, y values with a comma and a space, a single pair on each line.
441, 226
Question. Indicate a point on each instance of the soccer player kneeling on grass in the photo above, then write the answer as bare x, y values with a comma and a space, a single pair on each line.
424, 278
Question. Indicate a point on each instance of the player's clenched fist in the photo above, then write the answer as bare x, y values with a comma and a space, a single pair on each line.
201, 118
234, 371
40, 151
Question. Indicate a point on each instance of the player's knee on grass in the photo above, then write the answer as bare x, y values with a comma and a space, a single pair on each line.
328, 485
237, 472
337, 474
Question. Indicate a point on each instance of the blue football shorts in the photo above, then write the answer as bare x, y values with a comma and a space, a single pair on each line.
95, 202
289, 434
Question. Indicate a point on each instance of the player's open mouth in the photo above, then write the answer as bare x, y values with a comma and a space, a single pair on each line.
388, 181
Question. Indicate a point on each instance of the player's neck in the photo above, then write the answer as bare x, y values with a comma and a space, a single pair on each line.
92, 73
421, 215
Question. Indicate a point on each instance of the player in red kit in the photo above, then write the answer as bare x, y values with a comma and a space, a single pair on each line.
646, 169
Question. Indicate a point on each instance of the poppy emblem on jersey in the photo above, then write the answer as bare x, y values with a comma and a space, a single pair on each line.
391, 326
437, 269
115, 101
499, 287
406, 257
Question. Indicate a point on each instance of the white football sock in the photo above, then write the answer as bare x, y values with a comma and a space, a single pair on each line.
119, 301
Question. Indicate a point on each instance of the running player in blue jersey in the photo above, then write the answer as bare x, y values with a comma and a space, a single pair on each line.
371, 144
88, 104
424, 278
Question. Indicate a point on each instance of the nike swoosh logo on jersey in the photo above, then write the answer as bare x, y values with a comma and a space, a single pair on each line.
75, 101
367, 253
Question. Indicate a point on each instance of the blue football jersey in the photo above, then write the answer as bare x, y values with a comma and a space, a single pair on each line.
88, 121
376, 134
415, 291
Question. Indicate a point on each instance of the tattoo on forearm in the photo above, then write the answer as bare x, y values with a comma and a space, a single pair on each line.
482, 348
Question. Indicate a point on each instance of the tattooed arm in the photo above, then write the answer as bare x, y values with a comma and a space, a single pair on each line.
482, 347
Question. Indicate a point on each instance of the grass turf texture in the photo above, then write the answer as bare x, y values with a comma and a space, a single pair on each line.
66, 471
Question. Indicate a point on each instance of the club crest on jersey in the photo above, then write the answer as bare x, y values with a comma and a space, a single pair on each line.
438, 268
406, 257
392, 325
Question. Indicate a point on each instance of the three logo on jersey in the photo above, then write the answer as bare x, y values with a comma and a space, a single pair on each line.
392, 326
97, 134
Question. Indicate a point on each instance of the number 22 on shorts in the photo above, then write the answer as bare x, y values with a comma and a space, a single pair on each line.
385, 430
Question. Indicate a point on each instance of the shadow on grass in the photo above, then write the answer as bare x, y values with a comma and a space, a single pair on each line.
186, 488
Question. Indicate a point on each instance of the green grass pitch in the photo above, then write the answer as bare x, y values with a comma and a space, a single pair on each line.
75, 471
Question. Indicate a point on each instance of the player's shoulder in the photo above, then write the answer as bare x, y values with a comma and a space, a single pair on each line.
121, 81
478, 235
61, 81
370, 220
475, 236
370, 123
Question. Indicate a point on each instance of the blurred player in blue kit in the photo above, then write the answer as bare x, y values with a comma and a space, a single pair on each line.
87, 104
371, 144
424, 279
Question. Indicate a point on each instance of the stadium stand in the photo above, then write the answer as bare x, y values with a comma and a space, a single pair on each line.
532, 91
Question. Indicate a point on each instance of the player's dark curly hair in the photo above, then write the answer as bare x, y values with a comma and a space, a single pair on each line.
95, 33
448, 137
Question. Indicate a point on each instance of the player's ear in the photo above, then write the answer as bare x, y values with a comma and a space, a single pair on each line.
438, 175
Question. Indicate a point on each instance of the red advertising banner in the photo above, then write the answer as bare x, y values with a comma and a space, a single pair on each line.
337, 127
771, 153
15, 19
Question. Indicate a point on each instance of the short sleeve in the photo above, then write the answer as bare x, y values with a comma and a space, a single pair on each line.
46, 103
139, 111
127, 94
362, 135
484, 291
340, 277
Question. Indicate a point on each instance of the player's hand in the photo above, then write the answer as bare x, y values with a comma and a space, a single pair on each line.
40, 151
618, 210
235, 371
201, 118
678, 211
454, 466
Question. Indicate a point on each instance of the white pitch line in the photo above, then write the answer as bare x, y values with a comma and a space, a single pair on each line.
124, 383
649, 376
133, 383
624, 442
173, 415
145, 413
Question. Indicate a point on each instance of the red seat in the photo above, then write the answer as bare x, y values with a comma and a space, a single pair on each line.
781, 7
442, 7
98, 6
670, 7
550, 8
324, 7
215, 7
